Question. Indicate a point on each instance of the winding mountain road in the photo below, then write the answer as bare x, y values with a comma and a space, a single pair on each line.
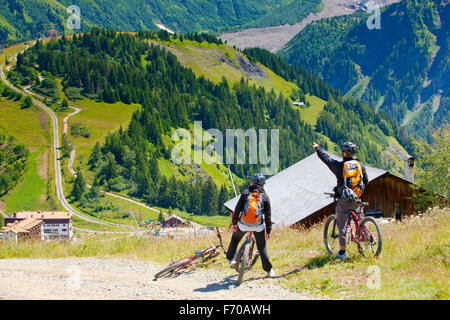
57, 159
73, 152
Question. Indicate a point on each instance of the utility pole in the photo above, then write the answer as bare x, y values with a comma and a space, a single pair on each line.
232, 182
137, 226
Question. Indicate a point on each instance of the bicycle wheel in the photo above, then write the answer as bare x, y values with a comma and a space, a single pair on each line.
373, 240
331, 235
243, 261
254, 260
171, 268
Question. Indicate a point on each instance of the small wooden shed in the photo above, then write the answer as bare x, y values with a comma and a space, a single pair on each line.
173, 221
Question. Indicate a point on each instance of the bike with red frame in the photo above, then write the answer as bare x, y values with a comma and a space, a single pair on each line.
364, 231
200, 257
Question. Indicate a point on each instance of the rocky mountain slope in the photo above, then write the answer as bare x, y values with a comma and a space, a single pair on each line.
401, 68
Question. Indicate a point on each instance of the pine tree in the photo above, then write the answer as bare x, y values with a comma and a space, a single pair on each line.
210, 196
223, 197
96, 157
79, 186
66, 146
27, 102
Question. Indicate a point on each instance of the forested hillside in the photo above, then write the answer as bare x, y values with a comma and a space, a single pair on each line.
110, 67
26, 20
30, 19
343, 118
401, 68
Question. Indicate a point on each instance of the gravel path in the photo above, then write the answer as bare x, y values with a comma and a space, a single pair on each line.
94, 278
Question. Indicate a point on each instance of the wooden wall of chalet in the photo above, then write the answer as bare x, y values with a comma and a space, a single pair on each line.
382, 194
173, 222
387, 190
317, 217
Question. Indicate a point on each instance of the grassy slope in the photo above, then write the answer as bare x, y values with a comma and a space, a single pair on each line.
100, 119
112, 117
358, 89
311, 114
11, 51
414, 263
32, 190
215, 61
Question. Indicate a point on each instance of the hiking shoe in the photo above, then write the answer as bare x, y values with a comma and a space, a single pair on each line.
232, 263
271, 273
341, 256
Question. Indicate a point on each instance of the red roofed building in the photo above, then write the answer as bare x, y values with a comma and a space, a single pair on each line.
26, 229
57, 224
52, 33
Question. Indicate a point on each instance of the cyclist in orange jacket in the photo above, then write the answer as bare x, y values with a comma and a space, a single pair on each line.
241, 226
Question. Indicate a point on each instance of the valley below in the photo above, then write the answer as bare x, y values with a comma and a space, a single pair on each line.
275, 38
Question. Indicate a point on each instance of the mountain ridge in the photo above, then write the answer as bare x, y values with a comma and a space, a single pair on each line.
405, 62
20, 20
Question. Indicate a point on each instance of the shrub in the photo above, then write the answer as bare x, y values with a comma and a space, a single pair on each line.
27, 102
433, 174
77, 130
73, 93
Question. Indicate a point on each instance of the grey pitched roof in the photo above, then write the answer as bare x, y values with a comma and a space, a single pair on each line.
174, 216
298, 191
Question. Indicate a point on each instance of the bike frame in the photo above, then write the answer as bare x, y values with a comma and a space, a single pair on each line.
357, 219
202, 254
251, 238
193, 258
360, 235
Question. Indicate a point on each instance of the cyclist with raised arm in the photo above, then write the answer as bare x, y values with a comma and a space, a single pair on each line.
250, 214
351, 180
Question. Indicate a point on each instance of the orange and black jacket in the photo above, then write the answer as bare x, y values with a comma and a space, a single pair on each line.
337, 167
266, 206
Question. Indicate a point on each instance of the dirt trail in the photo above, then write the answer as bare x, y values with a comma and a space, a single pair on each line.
125, 279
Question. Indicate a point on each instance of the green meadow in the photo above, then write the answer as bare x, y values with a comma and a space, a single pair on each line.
30, 127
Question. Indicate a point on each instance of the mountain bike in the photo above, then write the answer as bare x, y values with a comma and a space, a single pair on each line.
201, 256
364, 231
245, 259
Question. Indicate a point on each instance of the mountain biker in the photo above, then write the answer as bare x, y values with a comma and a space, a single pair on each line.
241, 225
348, 194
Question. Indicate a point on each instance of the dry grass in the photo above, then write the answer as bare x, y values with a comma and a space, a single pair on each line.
414, 263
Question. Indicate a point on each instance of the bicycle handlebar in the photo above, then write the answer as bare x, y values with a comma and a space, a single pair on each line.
332, 195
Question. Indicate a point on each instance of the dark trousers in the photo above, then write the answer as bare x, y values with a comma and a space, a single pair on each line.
260, 238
